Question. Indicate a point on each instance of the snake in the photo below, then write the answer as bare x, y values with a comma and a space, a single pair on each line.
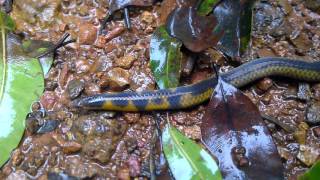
191, 95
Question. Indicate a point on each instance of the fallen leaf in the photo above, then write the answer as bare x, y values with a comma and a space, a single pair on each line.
234, 132
235, 19
165, 58
187, 160
312, 174
195, 31
21, 83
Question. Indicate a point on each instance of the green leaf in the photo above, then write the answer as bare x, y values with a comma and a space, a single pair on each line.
21, 83
165, 58
206, 7
35, 48
313, 173
187, 160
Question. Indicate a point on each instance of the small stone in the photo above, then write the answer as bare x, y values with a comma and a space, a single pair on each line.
17, 157
123, 174
48, 99
75, 87
316, 131
134, 166
265, 52
125, 61
117, 31
265, 84
313, 113
118, 79
68, 147
132, 117
87, 33
92, 89
302, 42
308, 155
313, 5
147, 17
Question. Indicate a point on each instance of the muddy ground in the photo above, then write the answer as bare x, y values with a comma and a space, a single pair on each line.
102, 145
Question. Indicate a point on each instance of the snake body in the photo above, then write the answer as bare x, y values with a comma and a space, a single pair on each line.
191, 95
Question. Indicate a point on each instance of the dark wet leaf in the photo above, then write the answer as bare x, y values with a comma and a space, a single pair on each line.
187, 160
235, 18
115, 5
313, 173
234, 132
206, 6
195, 31
165, 58
21, 83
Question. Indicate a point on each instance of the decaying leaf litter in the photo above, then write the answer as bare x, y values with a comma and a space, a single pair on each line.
92, 78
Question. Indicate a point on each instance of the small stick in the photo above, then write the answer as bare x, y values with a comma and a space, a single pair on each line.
127, 18
57, 45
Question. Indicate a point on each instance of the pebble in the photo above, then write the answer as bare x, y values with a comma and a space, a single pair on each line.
118, 79
134, 166
264, 84
313, 113
117, 31
308, 155
75, 87
132, 117
68, 147
316, 131
126, 61
87, 33
123, 174
48, 99
313, 5
147, 17
48, 126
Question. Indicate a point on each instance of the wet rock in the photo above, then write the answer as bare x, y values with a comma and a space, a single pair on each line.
99, 149
141, 80
17, 157
118, 79
131, 144
147, 17
68, 147
48, 99
302, 42
308, 155
60, 176
134, 166
75, 87
304, 92
313, 5
264, 84
19, 174
87, 33
123, 174
125, 61
301, 133
116, 31
268, 19
316, 131
313, 113
132, 117
265, 52
92, 89
48, 126
75, 166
